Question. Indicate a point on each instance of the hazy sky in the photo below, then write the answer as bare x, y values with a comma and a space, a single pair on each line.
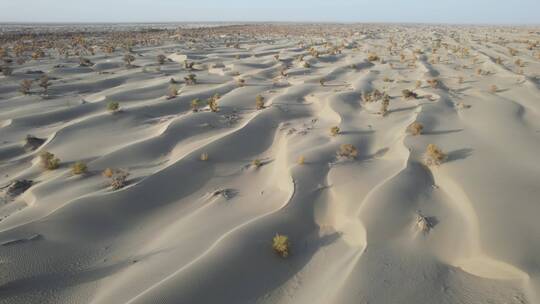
438, 11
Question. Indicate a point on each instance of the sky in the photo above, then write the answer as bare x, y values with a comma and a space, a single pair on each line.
412, 11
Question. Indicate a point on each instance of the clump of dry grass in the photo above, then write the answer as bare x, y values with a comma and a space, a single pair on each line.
493, 88
241, 82
259, 102
408, 94
301, 160
188, 65
322, 81
85, 62
25, 86
49, 161
384, 105
79, 168
418, 84
347, 151
113, 106
281, 244
415, 128
334, 130
434, 156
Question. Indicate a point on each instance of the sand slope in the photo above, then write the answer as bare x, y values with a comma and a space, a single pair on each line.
168, 237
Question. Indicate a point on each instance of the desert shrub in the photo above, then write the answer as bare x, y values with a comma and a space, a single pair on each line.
322, 81
306, 65
387, 79
195, 104
128, 59
422, 223
347, 151
25, 86
44, 82
408, 94
434, 155
434, 83
418, 84
213, 103
256, 163
301, 160
372, 57
85, 62
49, 161
188, 65
460, 79
6, 71
79, 168
118, 177
384, 106
204, 156
280, 244
259, 102
113, 106
415, 128
462, 105
334, 130
240, 82
190, 79
172, 91
493, 89
161, 59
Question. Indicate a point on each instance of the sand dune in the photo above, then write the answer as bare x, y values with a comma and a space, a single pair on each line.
383, 226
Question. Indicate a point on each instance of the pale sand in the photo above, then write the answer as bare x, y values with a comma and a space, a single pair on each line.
352, 224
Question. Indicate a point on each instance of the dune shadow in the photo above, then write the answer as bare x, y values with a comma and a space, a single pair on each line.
440, 132
459, 154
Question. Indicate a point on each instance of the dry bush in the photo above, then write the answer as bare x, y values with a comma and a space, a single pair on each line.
257, 163
6, 71
128, 59
85, 62
240, 82
301, 160
161, 58
280, 244
190, 79
49, 161
334, 131
117, 177
434, 156
384, 105
306, 65
172, 91
259, 102
347, 151
493, 88
322, 81
25, 86
372, 57
418, 84
113, 106
460, 79
434, 83
188, 65
79, 168
462, 105
44, 83
195, 104
408, 94
415, 128
213, 103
